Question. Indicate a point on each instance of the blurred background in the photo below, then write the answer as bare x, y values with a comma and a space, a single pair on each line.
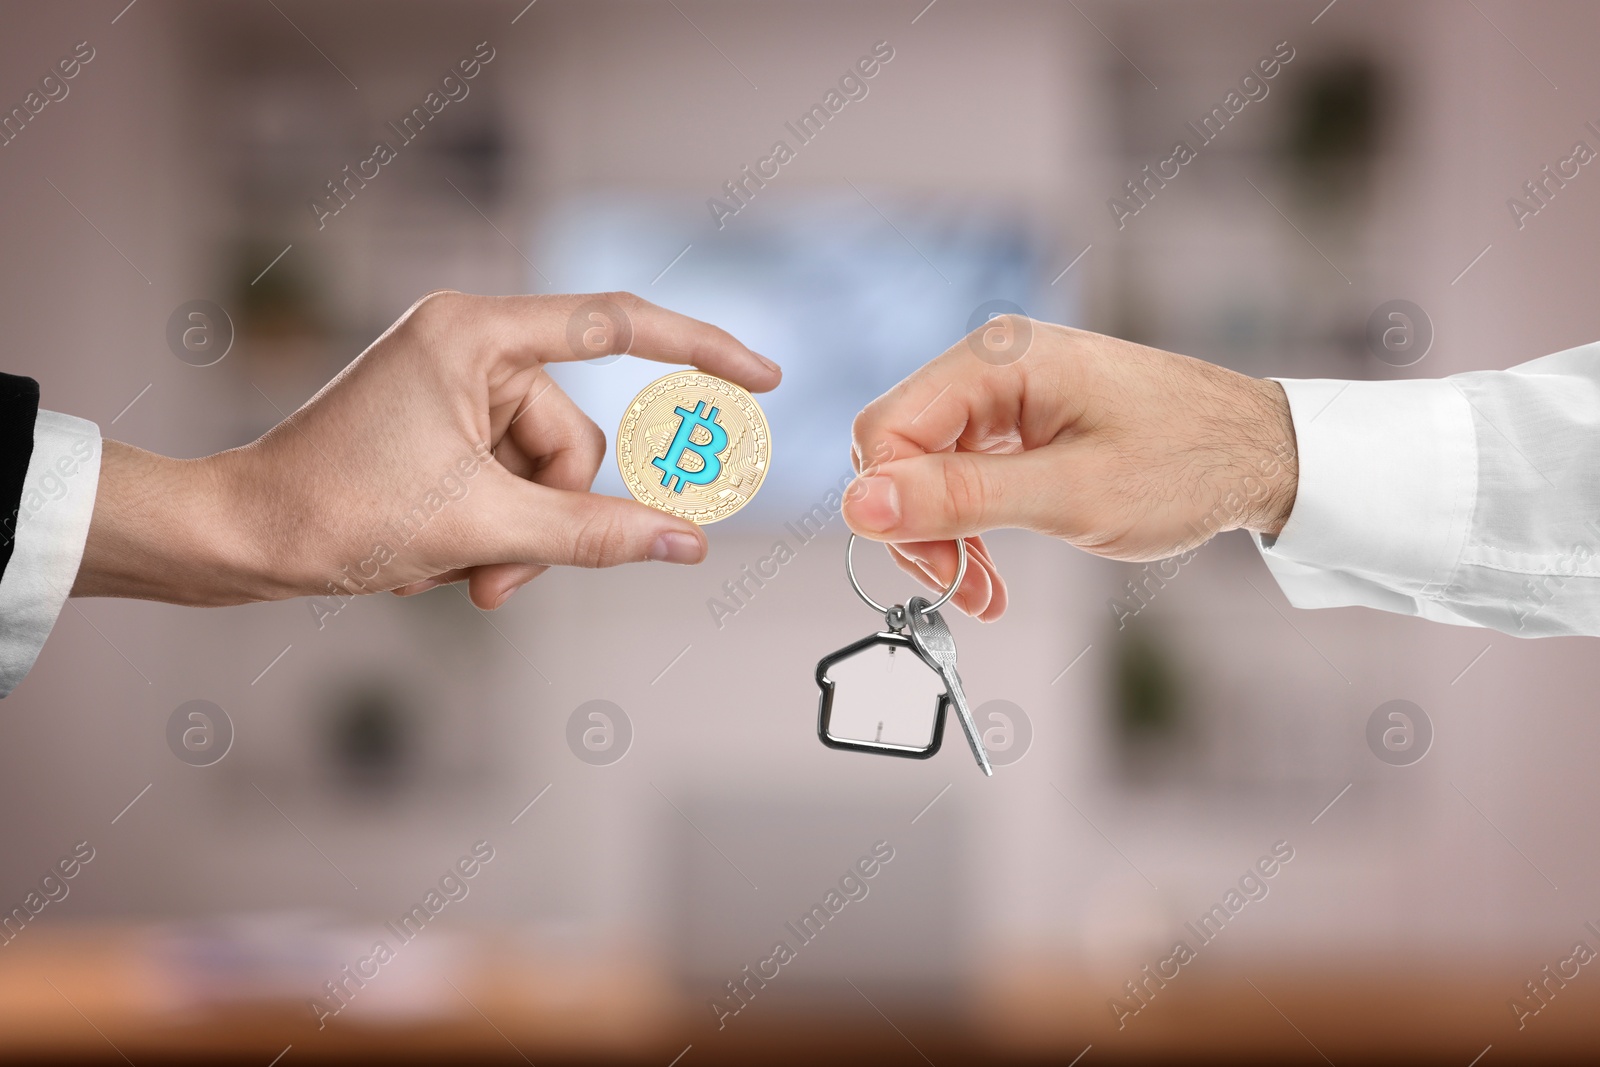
643, 768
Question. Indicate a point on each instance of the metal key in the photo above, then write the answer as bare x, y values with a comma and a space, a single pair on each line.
933, 641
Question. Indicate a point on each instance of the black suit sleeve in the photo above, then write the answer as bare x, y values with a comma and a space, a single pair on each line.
19, 408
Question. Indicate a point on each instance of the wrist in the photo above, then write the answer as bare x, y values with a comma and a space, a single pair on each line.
1270, 454
175, 530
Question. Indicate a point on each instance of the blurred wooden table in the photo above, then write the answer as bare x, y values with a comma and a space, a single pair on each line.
92, 994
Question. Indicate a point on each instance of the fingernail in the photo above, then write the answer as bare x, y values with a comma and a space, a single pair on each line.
677, 547
767, 363
877, 503
505, 597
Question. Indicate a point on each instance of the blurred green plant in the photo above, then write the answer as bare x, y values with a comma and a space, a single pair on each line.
282, 301
1146, 693
1336, 124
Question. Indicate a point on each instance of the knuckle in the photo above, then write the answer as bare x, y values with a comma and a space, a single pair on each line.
592, 442
618, 309
433, 317
1003, 339
628, 302
593, 437
436, 304
869, 445
966, 493
861, 426
602, 540
1009, 321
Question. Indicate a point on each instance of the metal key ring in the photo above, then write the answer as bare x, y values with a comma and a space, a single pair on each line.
850, 569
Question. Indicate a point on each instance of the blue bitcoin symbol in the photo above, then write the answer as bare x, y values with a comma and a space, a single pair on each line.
670, 465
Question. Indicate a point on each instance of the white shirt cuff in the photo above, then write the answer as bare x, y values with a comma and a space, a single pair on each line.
51, 528
1387, 484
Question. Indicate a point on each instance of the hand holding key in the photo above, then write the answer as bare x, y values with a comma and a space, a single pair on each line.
1125, 451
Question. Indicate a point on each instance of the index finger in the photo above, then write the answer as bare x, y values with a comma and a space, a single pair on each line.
933, 409
556, 329
961, 400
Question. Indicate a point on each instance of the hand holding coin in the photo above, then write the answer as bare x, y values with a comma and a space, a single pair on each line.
544, 438
445, 452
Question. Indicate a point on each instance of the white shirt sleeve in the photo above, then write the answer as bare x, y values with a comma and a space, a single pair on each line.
1473, 499
52, 526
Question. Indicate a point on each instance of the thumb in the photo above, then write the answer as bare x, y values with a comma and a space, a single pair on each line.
943, 495
538, 524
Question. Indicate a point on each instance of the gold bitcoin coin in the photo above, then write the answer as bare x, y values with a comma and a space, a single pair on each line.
694, 446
